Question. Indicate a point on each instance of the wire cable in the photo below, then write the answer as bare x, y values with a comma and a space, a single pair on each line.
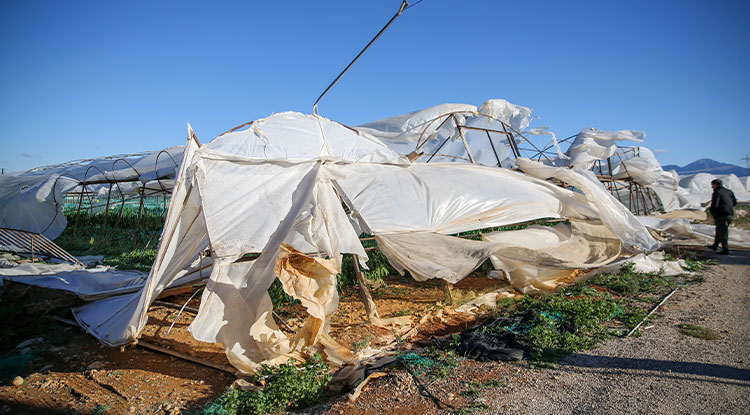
404, 5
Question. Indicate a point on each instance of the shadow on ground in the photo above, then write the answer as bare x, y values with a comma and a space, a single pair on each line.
665, 366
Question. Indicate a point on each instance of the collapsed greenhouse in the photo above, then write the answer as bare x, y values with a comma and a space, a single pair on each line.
285, 197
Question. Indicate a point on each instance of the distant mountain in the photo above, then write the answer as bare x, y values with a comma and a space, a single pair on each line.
707, 166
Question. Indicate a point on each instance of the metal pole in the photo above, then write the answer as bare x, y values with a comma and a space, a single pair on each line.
401, 9
106, 208
493, 148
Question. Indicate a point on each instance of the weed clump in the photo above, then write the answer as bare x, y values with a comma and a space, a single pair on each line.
567, 324
435, 364
287, 387
582, 315
697, 331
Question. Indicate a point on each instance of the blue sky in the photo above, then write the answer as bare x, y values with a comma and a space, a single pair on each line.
85, 79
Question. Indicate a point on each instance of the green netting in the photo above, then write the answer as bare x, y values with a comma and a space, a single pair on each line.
15, 364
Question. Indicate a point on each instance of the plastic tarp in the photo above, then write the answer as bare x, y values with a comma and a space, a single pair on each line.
481, 141
541, 258
32, 200
278, 189
117, 320
654, 262
699, 233
695, 190
591, 145
88, 284
645, 170
612, 213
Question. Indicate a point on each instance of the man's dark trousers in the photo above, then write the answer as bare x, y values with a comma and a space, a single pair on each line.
722, 232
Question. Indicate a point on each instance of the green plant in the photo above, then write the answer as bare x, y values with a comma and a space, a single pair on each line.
445, 361
474, 406
278, 296
100, 409
627, 281
361, 344
128, 241
287, 387
377, 262
434, 364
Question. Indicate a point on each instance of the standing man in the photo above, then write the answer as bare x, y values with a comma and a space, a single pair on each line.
722, 209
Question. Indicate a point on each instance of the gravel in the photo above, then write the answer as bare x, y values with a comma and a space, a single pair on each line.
664, 371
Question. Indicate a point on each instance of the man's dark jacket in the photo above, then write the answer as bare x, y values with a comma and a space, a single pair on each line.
722, 202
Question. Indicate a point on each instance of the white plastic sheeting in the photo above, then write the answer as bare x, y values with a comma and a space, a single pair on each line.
541, 258
695, 190
32, 200
654, 262
28, 203
612, 213
645, 170
695, 233
178, 259
277, 187
435, 129
591, 145
88, 284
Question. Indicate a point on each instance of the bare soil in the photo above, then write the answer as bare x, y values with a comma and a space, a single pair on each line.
72, 373
664, 371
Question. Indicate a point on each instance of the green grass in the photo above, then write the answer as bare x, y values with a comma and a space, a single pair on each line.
128, 242
477, 388
697, 331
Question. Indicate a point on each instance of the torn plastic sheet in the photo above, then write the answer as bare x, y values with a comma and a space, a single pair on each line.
178, 258
701, 234
431, 255
313, 282
651, 263
449, 198
88, 284
542, 258
591, 145
273, 189
536, 258
32, 200
645, 170
433, 135
613, 214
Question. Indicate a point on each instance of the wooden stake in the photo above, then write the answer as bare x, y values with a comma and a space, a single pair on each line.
448, 290
372, 312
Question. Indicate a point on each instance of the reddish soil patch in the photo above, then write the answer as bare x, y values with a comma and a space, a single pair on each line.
72, 373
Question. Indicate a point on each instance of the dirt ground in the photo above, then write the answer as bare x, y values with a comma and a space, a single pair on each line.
663, 371
72, 373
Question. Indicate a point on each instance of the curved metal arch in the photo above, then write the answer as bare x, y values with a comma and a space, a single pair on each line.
111, 182
122, 196
54, 197
158, 179
451, 115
